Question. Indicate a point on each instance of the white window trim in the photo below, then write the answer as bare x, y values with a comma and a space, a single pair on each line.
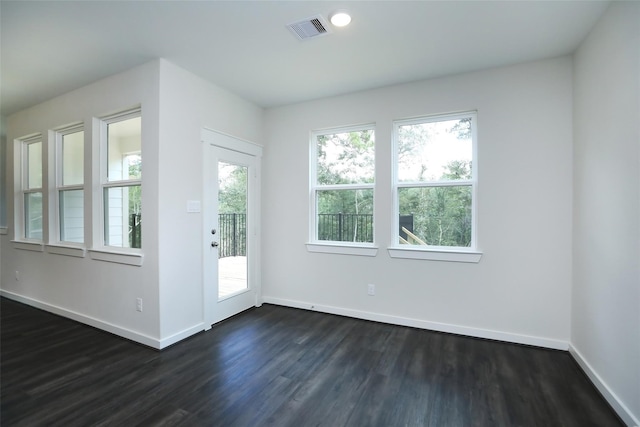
64, 247
330, 246
99, 251
435, 253
28, 245
343, 248
126, 256
21, 241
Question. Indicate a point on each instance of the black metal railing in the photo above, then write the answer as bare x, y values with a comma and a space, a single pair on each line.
341, 227
233, 234
135, 230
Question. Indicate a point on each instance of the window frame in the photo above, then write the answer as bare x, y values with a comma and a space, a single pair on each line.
432, 252
101, 250
25, 189
333, 246
60, 187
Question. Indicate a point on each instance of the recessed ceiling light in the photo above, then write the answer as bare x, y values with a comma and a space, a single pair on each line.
340, 18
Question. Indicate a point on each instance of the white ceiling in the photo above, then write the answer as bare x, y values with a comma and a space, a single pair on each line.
51, 47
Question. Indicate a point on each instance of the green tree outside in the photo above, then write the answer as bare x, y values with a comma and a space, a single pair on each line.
135, 202
343, 159
441, 213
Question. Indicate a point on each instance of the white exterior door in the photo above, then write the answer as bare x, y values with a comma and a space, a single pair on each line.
231, 226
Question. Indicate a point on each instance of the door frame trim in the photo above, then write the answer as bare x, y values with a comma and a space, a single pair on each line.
211, 138
230, 142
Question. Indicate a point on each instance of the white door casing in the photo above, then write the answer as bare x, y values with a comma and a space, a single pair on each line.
218, 147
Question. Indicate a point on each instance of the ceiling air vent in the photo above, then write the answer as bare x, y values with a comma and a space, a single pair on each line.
310, 27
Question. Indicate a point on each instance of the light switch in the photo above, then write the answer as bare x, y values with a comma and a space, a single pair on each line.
193, 206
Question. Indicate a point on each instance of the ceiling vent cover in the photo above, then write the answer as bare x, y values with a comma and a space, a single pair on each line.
310, 27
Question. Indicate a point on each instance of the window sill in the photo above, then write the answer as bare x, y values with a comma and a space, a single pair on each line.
342, 249
127, 258
67, 250
435, 254
28, 246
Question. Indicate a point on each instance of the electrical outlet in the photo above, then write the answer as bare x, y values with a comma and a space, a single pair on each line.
371, 289
139, 304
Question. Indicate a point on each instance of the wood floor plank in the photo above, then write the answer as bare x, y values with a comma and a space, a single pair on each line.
278, 366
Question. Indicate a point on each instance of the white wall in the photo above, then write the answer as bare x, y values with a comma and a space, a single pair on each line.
3, 186
99, 293
187, 104
559, 217
176, 105
3, 175
605, 332
520, 290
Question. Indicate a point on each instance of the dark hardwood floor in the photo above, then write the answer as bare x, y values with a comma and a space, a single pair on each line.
277, 366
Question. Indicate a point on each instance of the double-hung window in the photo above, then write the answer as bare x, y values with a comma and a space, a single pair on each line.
435, 187
122, 180
70, 184
32, 188
342, 186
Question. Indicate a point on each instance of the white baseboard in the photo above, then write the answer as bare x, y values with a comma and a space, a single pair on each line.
424, 324
87, 320
621, 409
186, 333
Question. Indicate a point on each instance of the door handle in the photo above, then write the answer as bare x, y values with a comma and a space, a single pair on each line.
214, 244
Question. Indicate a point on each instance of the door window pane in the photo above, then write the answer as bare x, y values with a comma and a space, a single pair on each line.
232, 225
